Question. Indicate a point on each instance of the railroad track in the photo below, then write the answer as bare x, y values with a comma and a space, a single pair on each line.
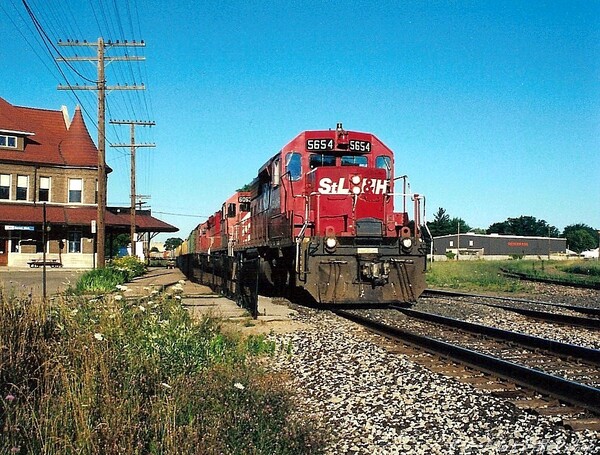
511, 365
560, 312
557, 281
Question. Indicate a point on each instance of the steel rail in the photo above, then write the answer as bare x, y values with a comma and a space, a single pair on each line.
588, 355
557, 281
579, 321
568, 391
578, 309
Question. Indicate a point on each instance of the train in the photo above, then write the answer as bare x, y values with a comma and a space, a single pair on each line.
318, 220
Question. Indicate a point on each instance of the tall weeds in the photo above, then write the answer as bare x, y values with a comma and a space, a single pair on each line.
113, 377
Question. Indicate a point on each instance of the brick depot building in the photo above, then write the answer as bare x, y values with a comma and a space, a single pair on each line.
48, 160
495, 246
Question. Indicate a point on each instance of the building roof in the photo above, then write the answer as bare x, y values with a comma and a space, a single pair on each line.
496, 236
49, 138
78, 216
144, 221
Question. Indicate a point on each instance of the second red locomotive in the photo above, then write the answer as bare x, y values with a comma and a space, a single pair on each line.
319, 217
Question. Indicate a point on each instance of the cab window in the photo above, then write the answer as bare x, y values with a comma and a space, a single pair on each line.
384, 162
354, 160
231, 209
293, 165
319, 160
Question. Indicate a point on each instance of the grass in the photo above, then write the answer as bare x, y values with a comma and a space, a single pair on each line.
473, 276
104, 280
481, 276
572, 271
108, 376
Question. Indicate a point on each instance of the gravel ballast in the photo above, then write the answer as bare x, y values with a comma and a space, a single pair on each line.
372, 401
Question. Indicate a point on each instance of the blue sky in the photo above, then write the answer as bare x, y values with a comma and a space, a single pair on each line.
492, 108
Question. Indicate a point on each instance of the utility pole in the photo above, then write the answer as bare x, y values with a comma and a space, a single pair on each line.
101, 88
133, 146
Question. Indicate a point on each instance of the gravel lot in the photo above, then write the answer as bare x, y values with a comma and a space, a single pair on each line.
376, 402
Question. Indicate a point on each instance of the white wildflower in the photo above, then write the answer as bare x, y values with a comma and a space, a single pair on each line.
154, 292
123, 288
74, 311
239, 385
165, 385
118, 297
98, 336
142, 308
178, 297
119, 287
181, 281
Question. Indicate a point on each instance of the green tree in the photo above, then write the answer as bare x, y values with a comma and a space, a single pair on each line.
524, 225
118, 242
442, 224
477, 231
456, 222
580, 237
172, 243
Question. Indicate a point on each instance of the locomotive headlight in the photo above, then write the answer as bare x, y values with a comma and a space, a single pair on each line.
355, 179
330, 244
407, 243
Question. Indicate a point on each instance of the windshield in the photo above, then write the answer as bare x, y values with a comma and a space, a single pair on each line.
354, 160
318, 160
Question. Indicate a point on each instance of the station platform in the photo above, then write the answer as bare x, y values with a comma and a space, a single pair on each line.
274, 316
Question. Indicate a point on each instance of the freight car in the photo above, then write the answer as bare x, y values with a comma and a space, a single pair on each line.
318, 218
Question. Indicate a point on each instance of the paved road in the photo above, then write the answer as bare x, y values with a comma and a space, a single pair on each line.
25, 281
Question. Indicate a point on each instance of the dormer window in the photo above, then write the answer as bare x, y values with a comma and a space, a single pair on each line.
7, 141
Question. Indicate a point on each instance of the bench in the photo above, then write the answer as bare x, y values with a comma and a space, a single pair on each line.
48, 263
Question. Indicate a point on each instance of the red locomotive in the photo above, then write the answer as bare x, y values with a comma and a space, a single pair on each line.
319, 217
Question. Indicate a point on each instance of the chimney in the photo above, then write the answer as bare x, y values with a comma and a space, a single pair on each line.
65, 113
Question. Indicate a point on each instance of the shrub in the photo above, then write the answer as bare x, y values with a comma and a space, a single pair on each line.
131, 265
113, 377
104, 280
586, 268
100, 280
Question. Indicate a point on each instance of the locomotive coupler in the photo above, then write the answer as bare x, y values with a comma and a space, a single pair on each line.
377, 272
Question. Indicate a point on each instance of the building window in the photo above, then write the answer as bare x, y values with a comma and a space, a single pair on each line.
451, 242
4, 186
75, 186
22, 186
470, 242
8, 141
44, 191
74, 242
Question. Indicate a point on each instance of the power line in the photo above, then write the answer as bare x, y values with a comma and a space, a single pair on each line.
183, 214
